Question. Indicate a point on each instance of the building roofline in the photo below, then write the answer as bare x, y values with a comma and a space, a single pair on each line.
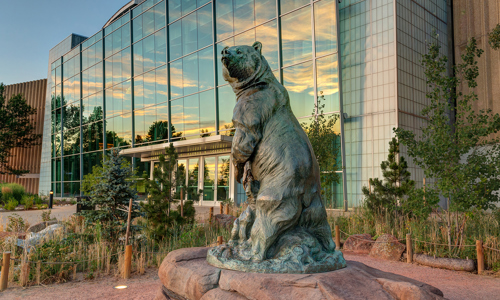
122, 11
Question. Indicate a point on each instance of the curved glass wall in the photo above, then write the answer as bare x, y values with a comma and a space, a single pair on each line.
154, 75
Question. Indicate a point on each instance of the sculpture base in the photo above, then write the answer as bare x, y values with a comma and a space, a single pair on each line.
296, 252
186, 275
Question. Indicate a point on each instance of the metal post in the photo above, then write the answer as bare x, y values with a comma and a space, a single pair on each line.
51, 199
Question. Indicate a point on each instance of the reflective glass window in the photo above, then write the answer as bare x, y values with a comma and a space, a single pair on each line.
139, 92
175, 38
205, 68
176, 86
264, 10
207, 112
328, 82
127, 96
161, 84
192, 186
71, 141
71, 168
148, 51
299, 82
225, 26
71, 115
174, 10
160, 48
140, 132
204, 22
159, 12
148, 22
226, 103
189, 34
138, 58
190, 74
149, 89
162, 121
126, 61
191, 115
137, 29
117, 68
245, 15
325, 27
296, 40
267, 34
177, 116
223, 167
150, 124
220, 46
288, 5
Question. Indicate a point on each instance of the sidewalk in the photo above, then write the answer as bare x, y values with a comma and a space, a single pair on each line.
35, 216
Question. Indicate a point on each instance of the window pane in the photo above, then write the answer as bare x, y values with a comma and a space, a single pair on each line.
140, 132
150, 123
138, 59
177, 116
220, 46
267, 34
204, 26
190, 74
160, 15
206, 68
126, 64
325, 26
224, 20
161, 85
149, 88
188, 6
227, 101
148, 50
264, 10
298, 80
244, 12
193, 179
192, 115
160, 48
223, 177
162, 120
189, 34
209, 179
207, 115
288, 5
148, 22
328, 82
175, 38
176, 87
174, 10
137, 25
296, 40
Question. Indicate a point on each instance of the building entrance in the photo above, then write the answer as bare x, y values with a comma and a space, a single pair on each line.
207, 180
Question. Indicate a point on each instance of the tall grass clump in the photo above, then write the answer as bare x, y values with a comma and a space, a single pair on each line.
12, 190
430, 235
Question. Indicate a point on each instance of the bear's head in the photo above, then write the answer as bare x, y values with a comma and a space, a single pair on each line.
242, 64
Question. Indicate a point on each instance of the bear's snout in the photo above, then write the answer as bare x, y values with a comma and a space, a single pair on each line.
225, 51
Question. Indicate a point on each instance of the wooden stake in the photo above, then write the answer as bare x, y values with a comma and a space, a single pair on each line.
219, 240
182, 202
409, 249
227, 209
480, 257
337, 236
4, 279
221, 208
75, 266
424, 188
210, 216
128, 222
38, 272
25, 273
128, 262
1, 228
369, 186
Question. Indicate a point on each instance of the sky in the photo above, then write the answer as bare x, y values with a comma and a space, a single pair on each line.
30, 28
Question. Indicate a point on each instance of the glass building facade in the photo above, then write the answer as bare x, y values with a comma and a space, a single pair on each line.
153, 76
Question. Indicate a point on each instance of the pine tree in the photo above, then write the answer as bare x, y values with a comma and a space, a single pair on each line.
387, 195
161, 191
111, 196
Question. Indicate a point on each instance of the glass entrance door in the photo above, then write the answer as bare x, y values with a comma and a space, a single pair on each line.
209, 178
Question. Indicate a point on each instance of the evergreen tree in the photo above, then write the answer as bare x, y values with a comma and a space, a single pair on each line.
161, 190
110, 195
387, 195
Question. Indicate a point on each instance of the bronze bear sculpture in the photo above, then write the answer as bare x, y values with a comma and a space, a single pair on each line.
284, 228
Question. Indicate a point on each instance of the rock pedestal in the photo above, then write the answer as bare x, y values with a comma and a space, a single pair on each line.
185, 274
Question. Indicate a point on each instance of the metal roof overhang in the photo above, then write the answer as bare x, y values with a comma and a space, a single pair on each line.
146, 153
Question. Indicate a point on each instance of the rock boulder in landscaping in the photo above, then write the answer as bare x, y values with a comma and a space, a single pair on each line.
359, 243
224, 220
387, 247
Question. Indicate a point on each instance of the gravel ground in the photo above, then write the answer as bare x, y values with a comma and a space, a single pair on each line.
455, 285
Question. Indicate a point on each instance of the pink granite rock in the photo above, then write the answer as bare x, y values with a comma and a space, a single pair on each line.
359, 243
387, 247
224, 220
185, 274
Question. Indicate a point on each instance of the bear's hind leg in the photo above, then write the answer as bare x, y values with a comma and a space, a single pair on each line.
272, 218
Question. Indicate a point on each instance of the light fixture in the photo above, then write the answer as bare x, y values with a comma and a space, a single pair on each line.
121, 287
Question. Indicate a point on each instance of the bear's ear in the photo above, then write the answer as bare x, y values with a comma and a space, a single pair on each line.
258, 47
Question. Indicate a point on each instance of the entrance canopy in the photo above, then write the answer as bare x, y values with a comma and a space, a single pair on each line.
205, 146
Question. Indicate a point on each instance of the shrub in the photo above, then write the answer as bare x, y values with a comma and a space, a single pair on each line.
17, 224
14, 189
28, 201
6, 193
11, 204
46, 215
37, 199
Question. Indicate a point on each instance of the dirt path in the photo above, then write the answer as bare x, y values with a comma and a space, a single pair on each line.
455, 285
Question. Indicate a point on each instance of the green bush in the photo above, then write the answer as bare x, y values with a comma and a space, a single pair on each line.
28, 201
11, 204
17, 224
37, 199
14, 189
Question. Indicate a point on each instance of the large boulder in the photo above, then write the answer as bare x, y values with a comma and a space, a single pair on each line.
224, 220
359, 243
185, 274
41, 226
387, 247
